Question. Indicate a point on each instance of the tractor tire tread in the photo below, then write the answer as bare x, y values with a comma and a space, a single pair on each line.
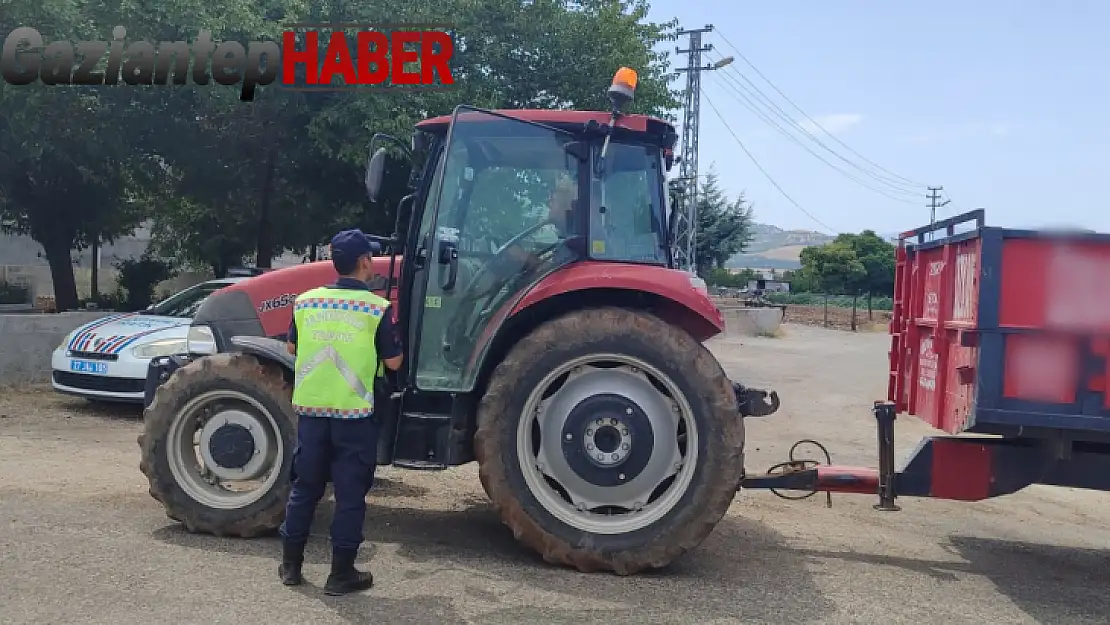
713, 495
264, 377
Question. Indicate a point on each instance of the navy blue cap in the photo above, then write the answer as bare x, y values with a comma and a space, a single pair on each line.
351, 244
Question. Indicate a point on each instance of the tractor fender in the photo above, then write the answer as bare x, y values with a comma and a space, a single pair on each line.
674, 296
266, 349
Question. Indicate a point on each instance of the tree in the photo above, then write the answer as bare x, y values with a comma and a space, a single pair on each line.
509, 54
851, 263
724, 227
69, 175
877, 257
223, 179
725, 278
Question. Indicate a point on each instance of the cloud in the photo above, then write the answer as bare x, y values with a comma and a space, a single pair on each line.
834, 123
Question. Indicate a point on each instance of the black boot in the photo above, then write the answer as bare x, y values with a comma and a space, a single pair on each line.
344, 577
292, 557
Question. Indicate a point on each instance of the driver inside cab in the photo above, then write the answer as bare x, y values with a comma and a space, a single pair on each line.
556, 234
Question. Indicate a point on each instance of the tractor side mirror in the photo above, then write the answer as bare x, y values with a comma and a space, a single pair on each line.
668, 159
375, 173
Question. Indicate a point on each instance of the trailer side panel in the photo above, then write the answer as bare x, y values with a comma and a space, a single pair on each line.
1003, 331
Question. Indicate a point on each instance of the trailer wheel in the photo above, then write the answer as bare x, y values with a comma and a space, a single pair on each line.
217, 445
609, 440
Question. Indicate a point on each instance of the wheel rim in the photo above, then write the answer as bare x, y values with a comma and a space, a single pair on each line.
607, 444
225, 449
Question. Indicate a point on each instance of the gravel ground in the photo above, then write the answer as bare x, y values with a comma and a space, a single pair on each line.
83, 542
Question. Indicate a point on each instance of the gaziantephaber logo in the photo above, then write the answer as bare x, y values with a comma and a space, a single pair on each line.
316, 57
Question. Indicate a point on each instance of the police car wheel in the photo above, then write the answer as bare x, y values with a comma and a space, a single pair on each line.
217, 445
609, 440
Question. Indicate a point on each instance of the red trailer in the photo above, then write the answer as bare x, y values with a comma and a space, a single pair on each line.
1000, 338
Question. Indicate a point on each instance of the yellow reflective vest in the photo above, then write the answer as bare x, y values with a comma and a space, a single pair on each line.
337, 358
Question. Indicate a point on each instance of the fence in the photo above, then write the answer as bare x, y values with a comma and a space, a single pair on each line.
34, 281
842, 312
23, 286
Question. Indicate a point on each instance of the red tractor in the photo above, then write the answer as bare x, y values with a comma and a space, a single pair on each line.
548, 337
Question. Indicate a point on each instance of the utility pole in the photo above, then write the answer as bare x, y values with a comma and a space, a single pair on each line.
934, 204
686, 215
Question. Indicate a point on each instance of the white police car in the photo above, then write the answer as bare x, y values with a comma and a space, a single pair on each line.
107, 359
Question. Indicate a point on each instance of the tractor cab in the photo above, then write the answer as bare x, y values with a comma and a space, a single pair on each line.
507, 199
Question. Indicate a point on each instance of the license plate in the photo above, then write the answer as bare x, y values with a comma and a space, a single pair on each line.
86, 366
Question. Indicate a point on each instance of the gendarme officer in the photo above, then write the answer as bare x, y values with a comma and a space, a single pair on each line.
340, 334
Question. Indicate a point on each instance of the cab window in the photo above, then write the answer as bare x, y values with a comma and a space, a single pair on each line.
627, 206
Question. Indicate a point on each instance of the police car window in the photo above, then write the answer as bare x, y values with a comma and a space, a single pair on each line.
186, 303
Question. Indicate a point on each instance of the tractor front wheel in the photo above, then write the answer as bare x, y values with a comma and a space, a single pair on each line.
217, 445
609, 440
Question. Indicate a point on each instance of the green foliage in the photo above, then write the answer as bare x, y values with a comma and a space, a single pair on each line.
137, 279
851, 263
225, 180
724, 226
723, 277
14, 294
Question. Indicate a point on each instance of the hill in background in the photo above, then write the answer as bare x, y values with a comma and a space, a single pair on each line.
775, 248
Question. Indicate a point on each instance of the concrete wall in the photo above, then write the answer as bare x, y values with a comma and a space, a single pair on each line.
27, 341
740, 321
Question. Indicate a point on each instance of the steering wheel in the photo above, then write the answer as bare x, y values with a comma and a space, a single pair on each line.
497, 259
480, 301
516, 239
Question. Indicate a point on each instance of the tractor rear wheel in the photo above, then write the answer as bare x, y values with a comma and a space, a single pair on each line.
610, 440
217, 445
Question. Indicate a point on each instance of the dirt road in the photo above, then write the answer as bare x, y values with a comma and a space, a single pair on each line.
82, 542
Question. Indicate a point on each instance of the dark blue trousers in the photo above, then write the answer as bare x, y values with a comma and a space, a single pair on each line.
343, 451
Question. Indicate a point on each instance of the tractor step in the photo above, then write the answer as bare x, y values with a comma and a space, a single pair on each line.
423, 441
419, 465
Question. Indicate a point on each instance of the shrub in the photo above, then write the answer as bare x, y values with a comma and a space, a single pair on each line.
137, 279
14, 293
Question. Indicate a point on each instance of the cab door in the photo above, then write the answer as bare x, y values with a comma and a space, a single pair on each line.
490, 196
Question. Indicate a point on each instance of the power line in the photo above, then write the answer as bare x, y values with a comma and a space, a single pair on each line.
747, 94
786, 195
810, 119
747, 102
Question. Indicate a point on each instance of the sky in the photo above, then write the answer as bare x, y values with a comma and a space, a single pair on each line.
1004, 103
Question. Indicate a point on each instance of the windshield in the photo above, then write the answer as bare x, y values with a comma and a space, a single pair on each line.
502, 187
627, 205
186, 303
